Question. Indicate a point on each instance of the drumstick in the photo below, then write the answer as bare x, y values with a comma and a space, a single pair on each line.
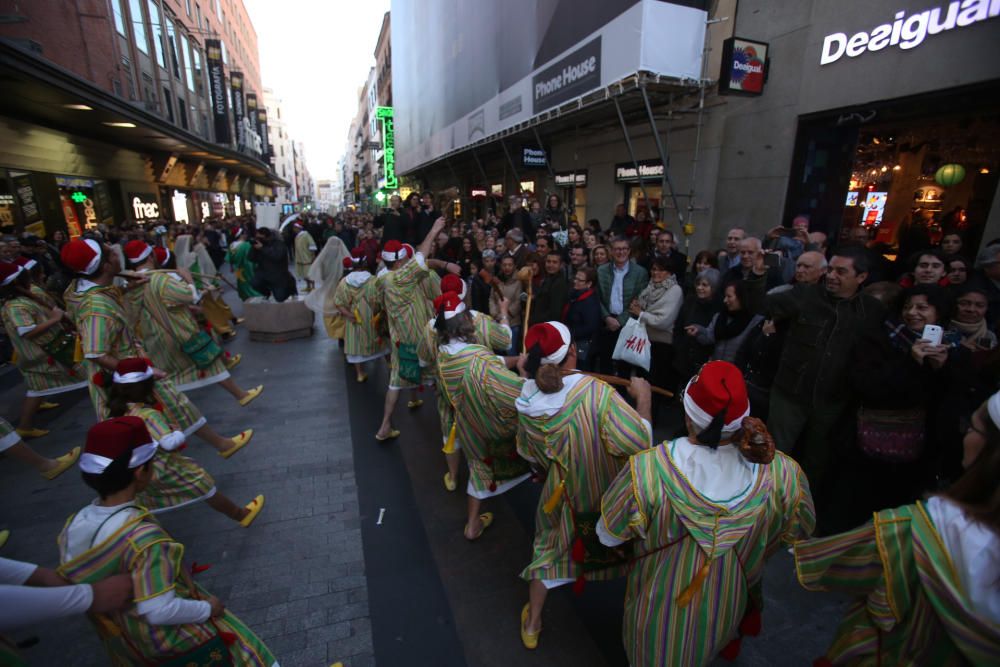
621, 382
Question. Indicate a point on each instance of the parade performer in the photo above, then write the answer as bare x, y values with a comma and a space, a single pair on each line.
481, 393
305, 253
177, 479
488, 333
405, 293
173, 621
580, 432
356, 299
702, 514
12, 445
44, 344
238, 257
98, 309
924, 576
189, 356
326, 273
195, 258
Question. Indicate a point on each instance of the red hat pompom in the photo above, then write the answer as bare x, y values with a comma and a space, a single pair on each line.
348, 263
452, 283
98, 379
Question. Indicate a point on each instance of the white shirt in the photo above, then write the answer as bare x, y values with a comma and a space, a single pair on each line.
720, 475
24, 605
617, 302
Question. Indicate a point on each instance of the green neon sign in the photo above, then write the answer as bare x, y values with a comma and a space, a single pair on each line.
388, 147
78, 197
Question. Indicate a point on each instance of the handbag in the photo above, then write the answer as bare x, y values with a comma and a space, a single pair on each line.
62, 348
633, 346
895, 436
202, 349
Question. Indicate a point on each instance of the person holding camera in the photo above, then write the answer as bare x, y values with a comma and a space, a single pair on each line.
272, 277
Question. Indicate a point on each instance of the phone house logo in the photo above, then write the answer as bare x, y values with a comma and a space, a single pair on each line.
908, 32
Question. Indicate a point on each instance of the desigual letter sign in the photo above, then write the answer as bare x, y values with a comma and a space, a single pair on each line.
908, 32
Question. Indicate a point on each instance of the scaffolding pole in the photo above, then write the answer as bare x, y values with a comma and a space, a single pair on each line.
631, 152
667, 186
513, 169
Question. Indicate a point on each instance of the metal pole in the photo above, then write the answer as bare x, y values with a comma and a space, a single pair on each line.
667, 185
694, 160
513, 169
548, 162
631, 152
482, 172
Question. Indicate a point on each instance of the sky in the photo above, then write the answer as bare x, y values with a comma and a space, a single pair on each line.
315, 55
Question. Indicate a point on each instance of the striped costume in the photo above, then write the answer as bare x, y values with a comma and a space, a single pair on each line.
100, 318
405, 296
164, 323
911, 606
305, 253
143, 549
697, 561
582, 436
482, 392
356, 293
178, 480
8, 436
489, 334
43, 374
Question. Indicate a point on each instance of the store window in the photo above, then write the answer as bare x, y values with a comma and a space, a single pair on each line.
119, 12
578, 204
189, 68
168, 103
138, 26
175, 62
636, 201
156, 23
182, 112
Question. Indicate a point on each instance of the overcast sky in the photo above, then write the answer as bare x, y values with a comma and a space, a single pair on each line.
315, 54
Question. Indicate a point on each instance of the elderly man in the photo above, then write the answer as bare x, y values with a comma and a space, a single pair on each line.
517, 218
619, 282
733, 238
666, 249
514, 247
809, 270
751, 254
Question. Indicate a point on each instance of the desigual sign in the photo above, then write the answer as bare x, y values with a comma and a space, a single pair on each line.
908, 32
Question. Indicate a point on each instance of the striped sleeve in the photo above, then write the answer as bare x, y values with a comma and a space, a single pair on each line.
155, 569
19, 316
174, 292
155, 422
96, 332
621, 517
341, 298
848, 562
503, 387
623, 431
496, 336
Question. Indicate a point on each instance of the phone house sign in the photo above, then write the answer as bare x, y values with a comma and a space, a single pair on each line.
908, 32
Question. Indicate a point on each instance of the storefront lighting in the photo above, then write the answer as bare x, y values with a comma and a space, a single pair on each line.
120, 124
884, 168
897, 167
380, 197
984, 170
78, 197
78, 107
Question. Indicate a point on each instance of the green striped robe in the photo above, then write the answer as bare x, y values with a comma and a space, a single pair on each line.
41, 377
143, 549
405, 296
99, 314
910, 608
483, 392
584, 444
677, 531
361, 340
177, 480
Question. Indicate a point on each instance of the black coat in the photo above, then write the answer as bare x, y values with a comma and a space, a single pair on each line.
272, 262
583, 318
396, 226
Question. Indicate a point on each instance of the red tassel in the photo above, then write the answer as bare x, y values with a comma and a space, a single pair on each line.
750, 625
420, 389
488, 460
72, 373
50, 361
98, 379
228, 354
493, 487
182, 448
201, 374
578, 552
512, 456
158, 406
198, 569
228, 638
579, 584
731, 651
149, 362
822, 662
208, 326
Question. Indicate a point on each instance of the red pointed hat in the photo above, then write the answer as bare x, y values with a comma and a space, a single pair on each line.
358, 252
407, 250
349, 262
162, 255
112, 438
133, 369
452, 283
449, 304
718, 387
391, 250
26, 262
137, 251
9, 272
82, 256
553, 338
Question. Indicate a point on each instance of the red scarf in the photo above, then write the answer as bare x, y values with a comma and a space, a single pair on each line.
586, 294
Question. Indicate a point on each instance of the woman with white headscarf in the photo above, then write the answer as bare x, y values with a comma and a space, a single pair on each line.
326, 272
193, 256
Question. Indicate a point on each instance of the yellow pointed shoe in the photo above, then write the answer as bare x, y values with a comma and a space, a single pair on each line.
251, 394
362, 378
449, 482
393, 434
4, 536
529, 639
241, 441
415, 404
48, 405
31, 432
65, 462
255, 506
233, 361
240, 320
487, 519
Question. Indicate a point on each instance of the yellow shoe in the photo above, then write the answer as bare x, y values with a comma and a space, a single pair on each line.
255, 506
241, 441
449, 482
252, 394
47, 405
4, 535
65, 462
487, 519
529, 639
362, 378
31, 432
393, 434
415, 404
240, 320
233, 361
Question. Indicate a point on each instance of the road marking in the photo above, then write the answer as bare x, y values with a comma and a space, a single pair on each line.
381, 513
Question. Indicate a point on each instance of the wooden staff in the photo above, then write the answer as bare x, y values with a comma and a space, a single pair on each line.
621, 382
526, 276
492, 281
194, 274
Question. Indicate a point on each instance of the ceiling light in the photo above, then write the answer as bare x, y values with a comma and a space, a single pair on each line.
118, 124
984, 170
897, 167
78, 107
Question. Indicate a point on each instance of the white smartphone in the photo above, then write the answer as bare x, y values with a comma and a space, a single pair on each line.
932, 334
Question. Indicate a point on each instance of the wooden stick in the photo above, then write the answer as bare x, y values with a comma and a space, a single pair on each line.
621, 382
194, 274
492, 281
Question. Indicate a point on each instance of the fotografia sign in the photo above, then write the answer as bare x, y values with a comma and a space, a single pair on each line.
217, 90
239, 110
744, 66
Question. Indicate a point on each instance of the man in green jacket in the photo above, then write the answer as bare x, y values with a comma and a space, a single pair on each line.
618, 282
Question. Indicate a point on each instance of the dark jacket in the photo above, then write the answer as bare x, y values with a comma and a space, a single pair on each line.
635, 281
549, 299
272, 262
519, 219
425, 220
396, 226
756, 286
689, 354
583, 315
618, 225
821, 338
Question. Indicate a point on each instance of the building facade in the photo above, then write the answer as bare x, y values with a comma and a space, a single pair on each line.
283, 155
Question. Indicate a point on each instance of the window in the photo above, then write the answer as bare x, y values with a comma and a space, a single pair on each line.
116, 7
168, 103
156, 22
218, 10
225, 54
197, 14
189, 70
182, 112
187, 6
138, 26
175, 62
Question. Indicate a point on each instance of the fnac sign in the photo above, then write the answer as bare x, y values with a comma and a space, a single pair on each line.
744, 67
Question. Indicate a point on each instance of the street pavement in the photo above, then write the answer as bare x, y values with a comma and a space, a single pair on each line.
358, 555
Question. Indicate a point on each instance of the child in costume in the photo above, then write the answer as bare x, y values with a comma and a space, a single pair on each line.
355, 299
179, 480
174, 621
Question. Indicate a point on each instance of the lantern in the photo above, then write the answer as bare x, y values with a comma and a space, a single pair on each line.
950, 174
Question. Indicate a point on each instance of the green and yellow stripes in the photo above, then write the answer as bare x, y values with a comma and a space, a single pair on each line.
360, 337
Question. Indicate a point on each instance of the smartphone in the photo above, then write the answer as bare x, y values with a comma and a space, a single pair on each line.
932, 334
772, 259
